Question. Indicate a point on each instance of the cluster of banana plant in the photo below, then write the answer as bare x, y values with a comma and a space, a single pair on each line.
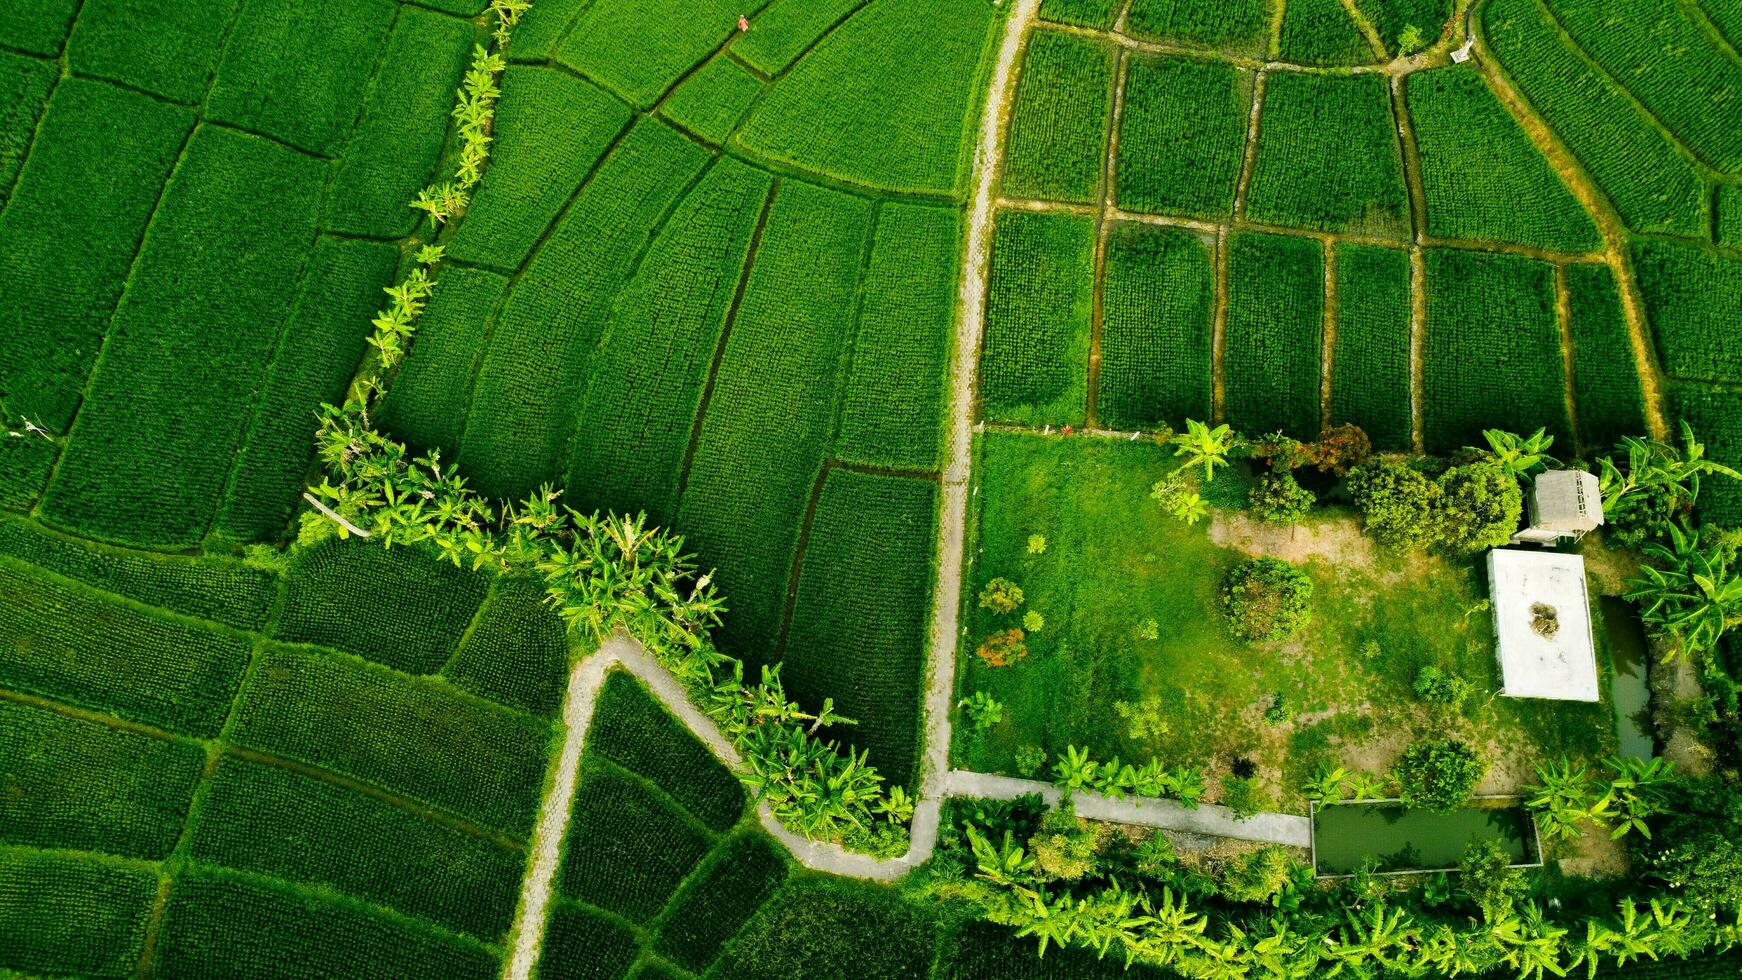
1695, 596
1332, 785
395, 324
1076, 770
474, 117
1569, 797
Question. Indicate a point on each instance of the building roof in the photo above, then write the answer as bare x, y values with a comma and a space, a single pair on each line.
1566, 500
1542, 625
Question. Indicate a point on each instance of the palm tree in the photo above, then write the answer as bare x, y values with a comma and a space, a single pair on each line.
1203, 446
1695, 598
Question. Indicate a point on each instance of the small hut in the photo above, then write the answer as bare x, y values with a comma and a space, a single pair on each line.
1562, 505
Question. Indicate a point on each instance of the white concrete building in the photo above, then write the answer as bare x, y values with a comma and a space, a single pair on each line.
1542, 625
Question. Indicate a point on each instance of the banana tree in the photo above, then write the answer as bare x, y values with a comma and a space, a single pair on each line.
1075, 770
1696, 597
1203, 446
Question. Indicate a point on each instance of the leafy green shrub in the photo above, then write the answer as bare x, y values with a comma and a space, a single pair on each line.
1029, 760
1480, 506
1280, 499
1486, 877
1065, 847
1266, 599
1436, 686
1397, 502
1259, 876
1438, 775
1003, 648
1468, 508
1241, 795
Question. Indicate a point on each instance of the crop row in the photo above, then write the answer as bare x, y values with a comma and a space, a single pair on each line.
1393, 19
1651, 183
769, 421
1275, 334
1236, 26
1691, 298
1370, 376
864, 645
653, 360
895, 395
1082, 13
517, 652
1608, 400
152, 450
638, 48
1328, 157
64, 916
713, 101
738, 876
396, 606
1040, 298
636, 732
629, 847
1058, 127
530, 380
582, 944
25, 84
787, 28
1182, 137
1159, 299
427, 404
1479, 166
1321, 32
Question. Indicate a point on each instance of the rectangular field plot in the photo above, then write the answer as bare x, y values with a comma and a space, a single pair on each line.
865, 645
296, 70
219, 589
582, 944
316, 357
1275, 339
892, 411
529, 381
1034, 360
1669, 64
1730, 216
85, 786
1370, 364
1483, 178
167, 406
1651, 181
69, 916
652, 363
276, 822
1393, 19
517, 652
24, 468
223, 923
1082, 13
1328, 156
1716, 415
1234, 26
393, 152
1492, 348
1691, 298
426, 406
1057, 145
69, 233
632, 729
542, 27
535, 164
1182, 137
783, 31
1159, 298
629, 846
25, 84
39, 28
851, 928
166, 48
768, 423
1321, 32
423, 739
738, 877
1608, 399
638, 48
69, 643
711, 102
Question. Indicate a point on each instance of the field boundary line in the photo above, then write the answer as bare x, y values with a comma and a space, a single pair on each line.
1563, 314
1104, 220
1328, 336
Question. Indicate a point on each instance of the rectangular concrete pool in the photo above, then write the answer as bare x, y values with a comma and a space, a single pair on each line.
1402, 840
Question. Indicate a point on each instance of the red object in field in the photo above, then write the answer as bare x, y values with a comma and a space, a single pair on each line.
1067, 430
743, 23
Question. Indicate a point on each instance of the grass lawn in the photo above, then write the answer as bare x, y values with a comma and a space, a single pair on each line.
1114, 562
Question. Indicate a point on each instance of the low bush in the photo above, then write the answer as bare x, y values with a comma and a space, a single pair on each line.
1280, 499
1438, 775
1259, 877
1435, 686
1266, 599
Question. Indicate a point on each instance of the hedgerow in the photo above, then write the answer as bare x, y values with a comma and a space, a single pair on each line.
225, 923
1716, 414
1083, 13
723, 894
85, 786
166, 410
535, 167
1275, 334
221, 590
1034, 360
1056, 148
1492, 348
896, 388
529, 381
1327, 156
316, 357
419, 738
634, 425
1477, 164
582, 944
68, 916
1608, 399
168, 49
1691, 297
427, 404
272, 821
1241, 26
1644, 174
768, 423
25, 84
69, 232
39, 28
832, 927
1321, 32
1370, 374
859, 621
711, 102
75, 645
633, 730
1158, 302
629, 847
517, 651
638, 48
785, 29
1669, 64
298, 70
1182, 137
395, 606
1394, 18
393, 150
879, 102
